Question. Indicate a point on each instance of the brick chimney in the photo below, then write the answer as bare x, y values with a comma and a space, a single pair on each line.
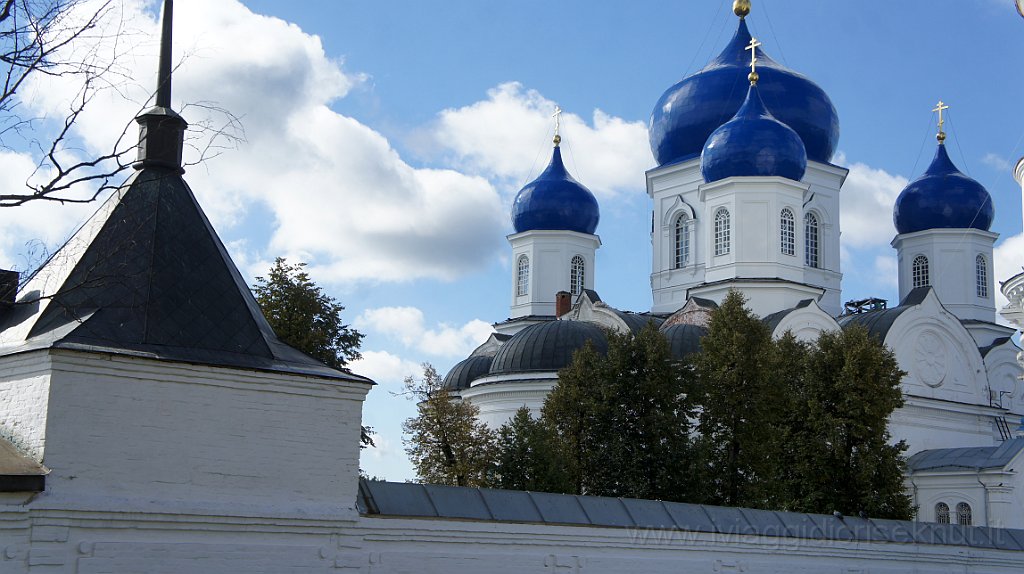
563, 302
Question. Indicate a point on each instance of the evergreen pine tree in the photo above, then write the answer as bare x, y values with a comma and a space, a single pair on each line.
528, 457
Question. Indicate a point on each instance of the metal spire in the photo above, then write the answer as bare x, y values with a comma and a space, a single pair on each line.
163, 85
939, 108
754, 43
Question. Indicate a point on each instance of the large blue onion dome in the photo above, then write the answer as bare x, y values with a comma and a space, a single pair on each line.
466, 371
555, 201
547, 346
690, 110
943, 198
753, 143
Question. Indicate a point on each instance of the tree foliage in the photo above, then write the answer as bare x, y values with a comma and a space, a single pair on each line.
446, 443
740, 409
529, 456
623, 419
305, 317
847, 461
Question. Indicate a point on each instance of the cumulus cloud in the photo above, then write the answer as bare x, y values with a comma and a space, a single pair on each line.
408, 325
996, 161
385, 368
866, 201
339, 196
509, 133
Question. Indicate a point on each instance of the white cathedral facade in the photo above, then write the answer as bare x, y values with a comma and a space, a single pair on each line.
748, 199
152, 422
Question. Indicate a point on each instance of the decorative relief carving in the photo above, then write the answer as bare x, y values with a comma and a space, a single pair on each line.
931, 360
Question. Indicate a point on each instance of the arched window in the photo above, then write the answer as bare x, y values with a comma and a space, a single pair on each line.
942, 513
919, 271
681, 242
811, 257
577, 268
522, 276
787, 232
722, 242
981, 270
963, 514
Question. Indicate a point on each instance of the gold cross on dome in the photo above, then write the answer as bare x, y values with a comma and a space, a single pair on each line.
558, 117
754, 44
939, 108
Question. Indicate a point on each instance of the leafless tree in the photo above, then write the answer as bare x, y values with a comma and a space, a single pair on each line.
80, 41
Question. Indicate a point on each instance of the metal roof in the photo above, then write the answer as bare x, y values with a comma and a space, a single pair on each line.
435, 502
155, 281
879, 322
466, 371
969, 458
775, 318
683, 339
547, 346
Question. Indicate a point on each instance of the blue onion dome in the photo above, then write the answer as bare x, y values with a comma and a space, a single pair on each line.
753, 143
547, 346
684, 340
689, 111
466, 371
943, 198
555, 201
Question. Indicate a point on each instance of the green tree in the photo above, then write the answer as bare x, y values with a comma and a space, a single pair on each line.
529, 457
624, 419
740, 408
847, 461
306, 318
446, 443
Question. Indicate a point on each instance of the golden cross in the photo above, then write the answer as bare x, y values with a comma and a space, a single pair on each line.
939, 108
753, 54
558, 116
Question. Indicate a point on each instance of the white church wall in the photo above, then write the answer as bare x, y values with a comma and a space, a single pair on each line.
927, 423
24, 401
550, 255
806, 323
141, 431
1004, 378
952, 270
499, 396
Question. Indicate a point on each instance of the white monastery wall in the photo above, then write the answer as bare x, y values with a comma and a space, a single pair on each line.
24, 401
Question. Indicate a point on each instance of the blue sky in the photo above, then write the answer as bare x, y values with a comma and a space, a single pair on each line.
385, 140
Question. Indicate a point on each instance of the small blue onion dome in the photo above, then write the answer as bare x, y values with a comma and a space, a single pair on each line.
547, 346
555, 201
690, 110
943, 198
753, 143
466, 371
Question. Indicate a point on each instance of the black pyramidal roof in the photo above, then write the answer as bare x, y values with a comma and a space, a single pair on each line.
154, 280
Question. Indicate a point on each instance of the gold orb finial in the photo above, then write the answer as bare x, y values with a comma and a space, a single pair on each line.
557, 140
941, 136
741, 8
753, 77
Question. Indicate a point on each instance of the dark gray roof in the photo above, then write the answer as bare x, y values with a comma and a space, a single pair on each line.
594, 297
684, 339
156, 281
879, 322
775, 318
547, 346
971, 458
704, 302
466, 371
18, 472
635, 322
997, 343
409, 500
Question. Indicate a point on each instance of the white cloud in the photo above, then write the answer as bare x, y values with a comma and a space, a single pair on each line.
510, 132
385, 368
866, 202
887, 270
996, 161
408, 325
339, 195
